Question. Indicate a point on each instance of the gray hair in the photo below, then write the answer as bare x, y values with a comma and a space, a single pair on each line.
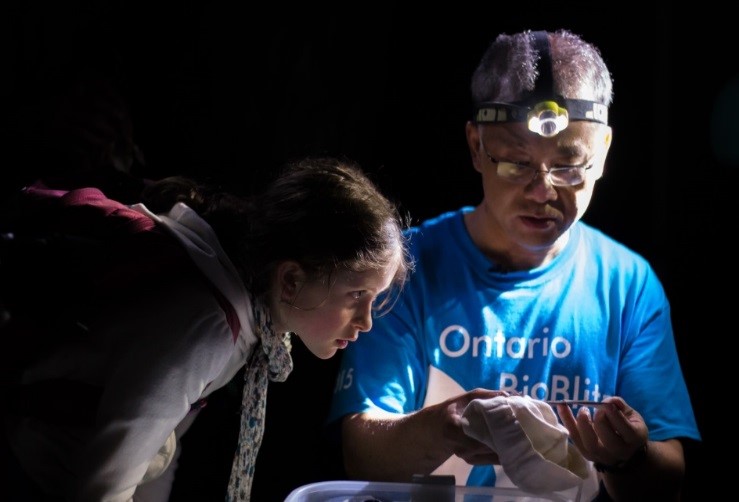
508, 69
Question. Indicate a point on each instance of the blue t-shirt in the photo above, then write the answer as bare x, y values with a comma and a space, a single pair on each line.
592, 323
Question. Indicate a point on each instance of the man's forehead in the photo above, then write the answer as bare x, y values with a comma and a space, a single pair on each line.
519, 129
581, 133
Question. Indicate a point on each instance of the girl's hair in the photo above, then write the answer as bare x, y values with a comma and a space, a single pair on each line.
323, 213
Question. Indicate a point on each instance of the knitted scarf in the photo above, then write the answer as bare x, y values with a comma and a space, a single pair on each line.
269, 360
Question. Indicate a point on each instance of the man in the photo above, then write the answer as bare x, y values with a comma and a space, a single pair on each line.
518, 296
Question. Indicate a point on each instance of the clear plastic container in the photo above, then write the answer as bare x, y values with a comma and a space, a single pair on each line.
365, 491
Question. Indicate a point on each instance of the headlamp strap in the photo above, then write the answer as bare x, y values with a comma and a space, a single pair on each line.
544, 86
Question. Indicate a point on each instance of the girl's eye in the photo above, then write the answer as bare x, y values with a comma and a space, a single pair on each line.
357, 294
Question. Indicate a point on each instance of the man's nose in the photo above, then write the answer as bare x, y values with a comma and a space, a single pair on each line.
540, 188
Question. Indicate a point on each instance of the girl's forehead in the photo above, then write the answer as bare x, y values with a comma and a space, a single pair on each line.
372, 279
352, 277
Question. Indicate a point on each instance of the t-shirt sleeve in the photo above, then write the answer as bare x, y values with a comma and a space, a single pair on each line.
650, 377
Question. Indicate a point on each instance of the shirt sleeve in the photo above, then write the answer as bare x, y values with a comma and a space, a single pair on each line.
166, 354
650, 378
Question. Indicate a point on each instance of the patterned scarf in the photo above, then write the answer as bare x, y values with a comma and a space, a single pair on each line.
270, 359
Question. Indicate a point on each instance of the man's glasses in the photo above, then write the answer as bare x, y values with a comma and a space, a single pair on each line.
522, 174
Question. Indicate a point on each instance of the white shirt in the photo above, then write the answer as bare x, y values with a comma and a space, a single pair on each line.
169, 346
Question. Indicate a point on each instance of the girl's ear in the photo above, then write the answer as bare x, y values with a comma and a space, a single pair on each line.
290, 279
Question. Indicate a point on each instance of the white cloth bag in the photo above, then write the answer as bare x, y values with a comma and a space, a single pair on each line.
531, 444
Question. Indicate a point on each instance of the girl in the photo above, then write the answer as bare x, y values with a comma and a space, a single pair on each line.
179, 293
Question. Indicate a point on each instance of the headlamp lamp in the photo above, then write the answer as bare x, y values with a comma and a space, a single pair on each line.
545, 112
547, 119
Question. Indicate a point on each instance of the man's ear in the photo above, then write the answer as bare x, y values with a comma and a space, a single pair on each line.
607, 139
472, 132
290, 278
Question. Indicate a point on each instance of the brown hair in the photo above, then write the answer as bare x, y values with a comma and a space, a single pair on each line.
323, 213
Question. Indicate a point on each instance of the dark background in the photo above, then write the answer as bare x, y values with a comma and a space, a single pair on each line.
228, 94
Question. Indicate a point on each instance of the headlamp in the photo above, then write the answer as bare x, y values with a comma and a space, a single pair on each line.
546, 118
544, 112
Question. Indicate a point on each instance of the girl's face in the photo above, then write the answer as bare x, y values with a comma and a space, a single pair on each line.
329, 313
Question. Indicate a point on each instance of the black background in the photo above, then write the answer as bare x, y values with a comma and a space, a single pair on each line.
229, 93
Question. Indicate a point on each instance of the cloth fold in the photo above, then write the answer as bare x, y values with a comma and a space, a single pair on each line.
531, 444
163, 458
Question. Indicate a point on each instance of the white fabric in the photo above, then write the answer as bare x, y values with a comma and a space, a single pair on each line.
162, 459
201, 244
532, 445
155, 357
160, 488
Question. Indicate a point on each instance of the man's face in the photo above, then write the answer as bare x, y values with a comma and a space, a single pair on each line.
531, 212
